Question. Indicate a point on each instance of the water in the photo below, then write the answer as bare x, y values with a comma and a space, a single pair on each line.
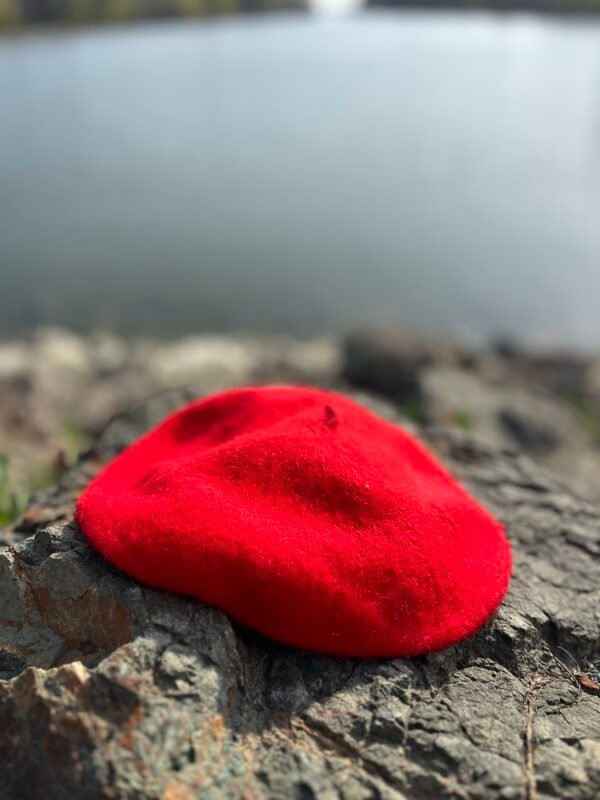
302, 175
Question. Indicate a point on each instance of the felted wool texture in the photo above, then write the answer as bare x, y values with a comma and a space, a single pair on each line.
304, 516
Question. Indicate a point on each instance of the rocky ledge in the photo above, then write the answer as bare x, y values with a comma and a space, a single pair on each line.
112, 690
58, 389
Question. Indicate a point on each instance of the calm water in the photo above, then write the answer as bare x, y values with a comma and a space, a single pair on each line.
300, 174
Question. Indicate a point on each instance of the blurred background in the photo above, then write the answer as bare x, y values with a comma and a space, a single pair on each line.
306, 171
171, 169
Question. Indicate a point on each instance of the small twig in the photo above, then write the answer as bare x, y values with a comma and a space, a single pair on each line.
566, 669
583, 680
529, 738
566, 652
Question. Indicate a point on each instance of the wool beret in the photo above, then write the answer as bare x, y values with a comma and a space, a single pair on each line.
305, 517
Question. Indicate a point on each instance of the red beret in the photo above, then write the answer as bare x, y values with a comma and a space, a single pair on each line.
307, 518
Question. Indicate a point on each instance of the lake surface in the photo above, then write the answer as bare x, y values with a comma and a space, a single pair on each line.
300, 174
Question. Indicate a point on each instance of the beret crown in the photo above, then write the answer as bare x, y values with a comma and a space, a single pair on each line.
302, 515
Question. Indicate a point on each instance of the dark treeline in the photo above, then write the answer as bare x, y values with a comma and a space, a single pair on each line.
17, 13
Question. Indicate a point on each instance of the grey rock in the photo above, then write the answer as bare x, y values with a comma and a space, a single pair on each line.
113, 690
544, 406
57, 389
390, 361
527, 419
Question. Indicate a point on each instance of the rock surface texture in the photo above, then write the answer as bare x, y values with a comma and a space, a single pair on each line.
112, 690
